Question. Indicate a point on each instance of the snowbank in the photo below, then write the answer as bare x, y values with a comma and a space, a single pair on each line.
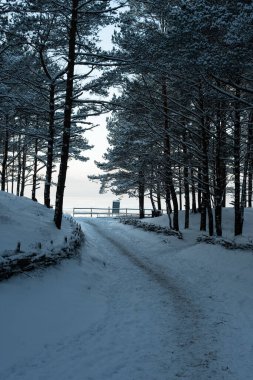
193, 234
29, 237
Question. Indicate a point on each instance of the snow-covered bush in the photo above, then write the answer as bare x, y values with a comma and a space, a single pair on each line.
151, 227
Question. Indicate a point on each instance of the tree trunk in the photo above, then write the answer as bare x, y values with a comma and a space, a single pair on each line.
13, 167
250, 142
151, 196
206, 201
219, 184
50, 147
199, 189
237, 158
180, 189
5, 156
224, 180
202, 215
250, 187
67, 116
152, 199
159, 204
246, 168
141, 194
168, 204
168, 165
244, 187
19, 166
23, 172
35, 167
186, 182
207, 196
193, 191
223, 161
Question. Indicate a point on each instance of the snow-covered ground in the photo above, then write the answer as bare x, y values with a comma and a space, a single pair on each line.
29, 237
135, 305
28, 222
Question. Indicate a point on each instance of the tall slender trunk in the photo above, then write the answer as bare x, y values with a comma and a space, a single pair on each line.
206, 200
219, 183
168, 199
206, 192
141, 194
19, 166
223, 161
13, 167
35, 167
250, 189
193, 191
151, 196
186, 182
159, 203
5, 156
167, 152
250, 142
23, 172
50, 147
67, 116
244, 187
199, 188
168, 204
237, 159
224, 180
180, 189
246, 168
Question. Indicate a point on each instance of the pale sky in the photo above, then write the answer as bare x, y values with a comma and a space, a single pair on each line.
79, 190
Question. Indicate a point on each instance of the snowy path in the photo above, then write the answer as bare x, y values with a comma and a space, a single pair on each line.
132, 307
159, 329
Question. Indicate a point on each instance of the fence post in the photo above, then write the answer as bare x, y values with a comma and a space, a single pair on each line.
91, 212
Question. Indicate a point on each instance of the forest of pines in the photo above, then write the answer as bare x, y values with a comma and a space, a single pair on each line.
180, 127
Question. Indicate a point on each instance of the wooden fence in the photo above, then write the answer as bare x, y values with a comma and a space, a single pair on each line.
109, 212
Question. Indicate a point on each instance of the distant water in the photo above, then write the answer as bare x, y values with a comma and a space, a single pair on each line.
98, 201
95, 201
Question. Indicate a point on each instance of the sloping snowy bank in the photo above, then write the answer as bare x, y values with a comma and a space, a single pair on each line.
29, 237
193, 234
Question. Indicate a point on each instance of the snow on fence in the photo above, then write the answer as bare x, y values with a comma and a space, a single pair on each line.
110, 212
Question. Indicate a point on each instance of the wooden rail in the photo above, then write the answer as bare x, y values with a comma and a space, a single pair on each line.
109, 212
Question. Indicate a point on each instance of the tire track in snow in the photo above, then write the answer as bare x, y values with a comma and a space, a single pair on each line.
193, 350
154, 271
